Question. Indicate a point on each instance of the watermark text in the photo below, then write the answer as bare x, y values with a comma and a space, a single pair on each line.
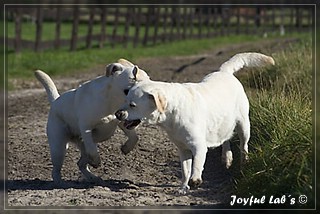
252, 200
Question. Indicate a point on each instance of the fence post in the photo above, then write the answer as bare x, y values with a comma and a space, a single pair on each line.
298, 18
103, 26
223, 21
191, 18
58, 27
227, 21
258, 16
247, 22
75, 24
178, 23
208, 22
156, 24
164, 24
115, 26
282, 28
238, 20
17, 41
38, 28
90, 26
137, 21
147, 24
200, 23
185, 21
172, 22
215, 20
126, 27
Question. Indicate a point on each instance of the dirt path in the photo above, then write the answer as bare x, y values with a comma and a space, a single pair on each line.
148, 176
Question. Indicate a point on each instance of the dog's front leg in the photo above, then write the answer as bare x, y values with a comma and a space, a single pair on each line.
91, 149
186, 163
83, 165
199, 157
132, 139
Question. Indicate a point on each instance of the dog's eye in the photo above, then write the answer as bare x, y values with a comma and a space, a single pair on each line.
132, 105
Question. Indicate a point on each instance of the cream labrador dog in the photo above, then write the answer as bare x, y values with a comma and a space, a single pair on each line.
85, 115
196, 115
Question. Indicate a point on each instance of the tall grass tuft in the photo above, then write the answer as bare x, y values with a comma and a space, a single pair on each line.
280, 147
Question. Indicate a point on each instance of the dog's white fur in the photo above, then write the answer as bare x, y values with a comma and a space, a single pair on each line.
85, 115
197, 115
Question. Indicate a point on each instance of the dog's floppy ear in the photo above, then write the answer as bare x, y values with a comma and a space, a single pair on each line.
112, 68
159, 100
125, 63
139, 74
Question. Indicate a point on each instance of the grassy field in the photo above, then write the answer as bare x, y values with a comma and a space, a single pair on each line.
281, 157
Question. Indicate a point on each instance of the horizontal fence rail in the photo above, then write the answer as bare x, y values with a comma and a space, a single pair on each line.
86, 27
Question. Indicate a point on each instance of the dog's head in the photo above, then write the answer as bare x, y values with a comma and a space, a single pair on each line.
143, 103
124, 75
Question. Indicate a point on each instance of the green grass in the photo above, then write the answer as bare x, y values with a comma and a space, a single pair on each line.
281, 127
48, 30
62, 62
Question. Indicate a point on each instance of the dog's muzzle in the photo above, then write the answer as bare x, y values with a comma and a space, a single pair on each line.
128, 124
121, 115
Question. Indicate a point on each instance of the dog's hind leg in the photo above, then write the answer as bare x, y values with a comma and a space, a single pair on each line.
57, 139
199, 152
243, 130
132, 139
226, 154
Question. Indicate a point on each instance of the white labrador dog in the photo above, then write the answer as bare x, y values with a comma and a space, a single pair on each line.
196, 115
85, 115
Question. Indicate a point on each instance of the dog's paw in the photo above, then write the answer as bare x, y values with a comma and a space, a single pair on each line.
194, 183
91, 178
244, 159
183, 190
125, 149
108, 118
94, 161
56, 177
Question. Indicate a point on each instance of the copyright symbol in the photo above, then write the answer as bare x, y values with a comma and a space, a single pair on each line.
303, 199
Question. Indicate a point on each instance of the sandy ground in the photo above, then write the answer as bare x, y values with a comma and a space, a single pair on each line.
147, 177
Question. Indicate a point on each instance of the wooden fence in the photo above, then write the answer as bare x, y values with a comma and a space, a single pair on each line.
149, 25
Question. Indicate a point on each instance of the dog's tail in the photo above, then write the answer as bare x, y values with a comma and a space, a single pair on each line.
48, 84
241, 60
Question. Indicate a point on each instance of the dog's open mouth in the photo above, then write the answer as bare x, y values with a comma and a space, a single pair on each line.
131, 124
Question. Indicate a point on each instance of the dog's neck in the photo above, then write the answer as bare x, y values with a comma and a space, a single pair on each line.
170, 111
176, 105
109, 94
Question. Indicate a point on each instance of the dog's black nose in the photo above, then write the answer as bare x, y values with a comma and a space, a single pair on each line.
120, 115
